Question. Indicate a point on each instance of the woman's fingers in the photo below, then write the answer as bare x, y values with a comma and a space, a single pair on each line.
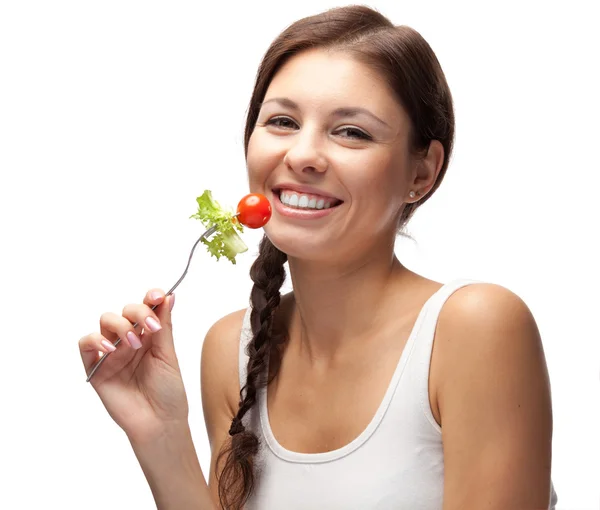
144, 316
113, 326
154, 297
90, 346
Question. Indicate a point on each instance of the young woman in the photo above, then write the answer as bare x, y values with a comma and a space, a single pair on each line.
368, 386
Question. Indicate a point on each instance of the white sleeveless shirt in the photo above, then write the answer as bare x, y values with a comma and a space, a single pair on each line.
396, 463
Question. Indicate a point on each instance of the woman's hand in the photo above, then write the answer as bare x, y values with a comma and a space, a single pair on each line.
140, 383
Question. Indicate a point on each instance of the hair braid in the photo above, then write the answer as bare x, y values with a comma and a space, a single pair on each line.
236, 480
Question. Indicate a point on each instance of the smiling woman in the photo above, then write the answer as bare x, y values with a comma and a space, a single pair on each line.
357, 387
368, 386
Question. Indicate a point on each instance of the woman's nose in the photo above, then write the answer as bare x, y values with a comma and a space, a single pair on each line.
306, 153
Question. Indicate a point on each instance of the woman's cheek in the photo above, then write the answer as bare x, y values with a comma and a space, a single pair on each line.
253, 163
264, 155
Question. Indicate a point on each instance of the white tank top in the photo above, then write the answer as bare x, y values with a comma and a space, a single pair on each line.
396, 463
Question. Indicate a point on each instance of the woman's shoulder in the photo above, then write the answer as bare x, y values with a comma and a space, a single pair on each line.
486, 323
225, 332
220, 359
483, 305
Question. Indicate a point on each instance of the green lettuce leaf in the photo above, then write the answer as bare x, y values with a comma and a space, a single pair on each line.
224, 242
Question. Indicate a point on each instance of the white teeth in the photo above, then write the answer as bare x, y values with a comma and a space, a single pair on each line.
303, 201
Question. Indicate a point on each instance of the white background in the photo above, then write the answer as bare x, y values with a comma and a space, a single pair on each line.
115, 115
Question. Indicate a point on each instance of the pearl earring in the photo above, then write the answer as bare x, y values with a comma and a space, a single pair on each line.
411, 194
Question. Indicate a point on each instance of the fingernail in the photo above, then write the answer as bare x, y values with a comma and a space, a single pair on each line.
134, 340
171, 302
153, 325
154, 295
108, 345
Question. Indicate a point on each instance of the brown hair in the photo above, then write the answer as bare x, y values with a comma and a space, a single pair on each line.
407, 62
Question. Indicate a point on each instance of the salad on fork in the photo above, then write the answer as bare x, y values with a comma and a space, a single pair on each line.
221, 238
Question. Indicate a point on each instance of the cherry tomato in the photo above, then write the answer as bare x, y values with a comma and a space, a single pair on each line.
254, 210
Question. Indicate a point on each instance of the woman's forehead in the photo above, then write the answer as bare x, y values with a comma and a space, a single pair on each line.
319, 78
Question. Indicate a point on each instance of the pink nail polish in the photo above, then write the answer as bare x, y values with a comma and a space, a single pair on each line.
108, 345
171, 302
153, 325
135, 342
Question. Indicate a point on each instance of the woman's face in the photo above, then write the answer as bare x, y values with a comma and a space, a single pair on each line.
330, 133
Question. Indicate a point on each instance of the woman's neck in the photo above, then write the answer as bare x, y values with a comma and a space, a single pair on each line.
336, 308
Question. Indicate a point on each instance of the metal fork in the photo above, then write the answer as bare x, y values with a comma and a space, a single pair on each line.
206, 234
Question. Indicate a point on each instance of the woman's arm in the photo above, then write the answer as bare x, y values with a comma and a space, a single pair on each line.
173, 472
170, 463
494, 401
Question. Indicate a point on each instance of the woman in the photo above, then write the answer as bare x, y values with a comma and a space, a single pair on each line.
368, 386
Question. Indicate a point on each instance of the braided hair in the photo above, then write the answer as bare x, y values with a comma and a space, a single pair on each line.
268, 275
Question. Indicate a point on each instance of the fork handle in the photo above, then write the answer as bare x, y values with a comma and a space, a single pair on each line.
209, 232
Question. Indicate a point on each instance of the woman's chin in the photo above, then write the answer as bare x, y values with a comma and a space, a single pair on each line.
301, 247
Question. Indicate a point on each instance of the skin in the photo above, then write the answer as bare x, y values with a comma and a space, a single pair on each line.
488, 385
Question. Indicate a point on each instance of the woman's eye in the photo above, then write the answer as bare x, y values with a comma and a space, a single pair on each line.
282, 122
288, 124
355, 133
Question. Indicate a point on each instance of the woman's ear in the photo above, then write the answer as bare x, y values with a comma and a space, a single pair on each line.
427, 169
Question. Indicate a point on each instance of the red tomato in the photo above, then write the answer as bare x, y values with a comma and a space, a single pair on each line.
254, 210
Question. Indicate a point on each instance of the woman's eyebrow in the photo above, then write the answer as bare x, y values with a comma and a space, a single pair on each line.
346, 111
352, 111
283, 101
